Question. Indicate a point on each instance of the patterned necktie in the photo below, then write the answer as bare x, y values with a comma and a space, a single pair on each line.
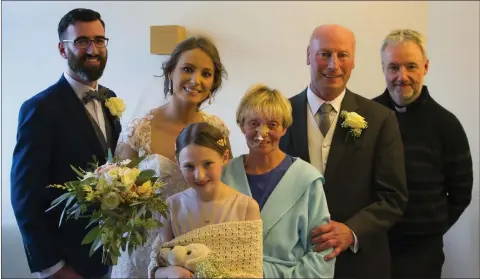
324, 122
100, 95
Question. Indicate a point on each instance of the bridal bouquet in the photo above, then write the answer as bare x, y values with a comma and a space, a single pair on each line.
119, 199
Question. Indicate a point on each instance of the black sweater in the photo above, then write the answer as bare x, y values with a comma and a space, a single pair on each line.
438, 166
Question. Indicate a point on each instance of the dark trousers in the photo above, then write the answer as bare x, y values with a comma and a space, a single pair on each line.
417, 256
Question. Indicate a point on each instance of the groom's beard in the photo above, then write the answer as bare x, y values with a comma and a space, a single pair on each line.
89, 73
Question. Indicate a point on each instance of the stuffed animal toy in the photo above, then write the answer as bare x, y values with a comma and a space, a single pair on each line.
196, 257
188, 256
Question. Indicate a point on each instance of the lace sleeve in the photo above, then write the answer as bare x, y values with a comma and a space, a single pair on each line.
125, 137
136, 135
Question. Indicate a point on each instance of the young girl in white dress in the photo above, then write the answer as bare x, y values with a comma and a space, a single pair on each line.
201, 151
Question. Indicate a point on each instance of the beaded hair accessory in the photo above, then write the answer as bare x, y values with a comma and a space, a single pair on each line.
222, 142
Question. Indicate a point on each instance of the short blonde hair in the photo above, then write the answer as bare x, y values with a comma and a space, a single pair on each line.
405, 35
265, 101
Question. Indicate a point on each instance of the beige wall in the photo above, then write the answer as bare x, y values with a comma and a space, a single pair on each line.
453, 46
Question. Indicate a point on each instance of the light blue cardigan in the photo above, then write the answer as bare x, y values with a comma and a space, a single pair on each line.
295, 207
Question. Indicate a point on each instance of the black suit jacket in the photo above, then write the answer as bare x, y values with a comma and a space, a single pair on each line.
54, 132
365, 183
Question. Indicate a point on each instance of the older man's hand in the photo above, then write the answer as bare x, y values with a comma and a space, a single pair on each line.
333, 234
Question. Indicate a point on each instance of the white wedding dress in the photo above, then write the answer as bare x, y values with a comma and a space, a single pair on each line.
138, 136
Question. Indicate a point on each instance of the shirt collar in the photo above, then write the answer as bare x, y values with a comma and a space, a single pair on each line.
79, 88
315, 102
418, 103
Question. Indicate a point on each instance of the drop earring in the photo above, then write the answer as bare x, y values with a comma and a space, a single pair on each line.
170, 87
210, 98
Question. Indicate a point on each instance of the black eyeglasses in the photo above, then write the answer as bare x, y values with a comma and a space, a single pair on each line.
84, 42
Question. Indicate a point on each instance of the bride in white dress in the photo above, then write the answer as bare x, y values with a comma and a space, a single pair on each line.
192, 76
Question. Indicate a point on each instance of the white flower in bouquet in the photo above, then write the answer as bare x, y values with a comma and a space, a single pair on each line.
125, 162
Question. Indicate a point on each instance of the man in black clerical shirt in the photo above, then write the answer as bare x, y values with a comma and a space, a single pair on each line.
437, 158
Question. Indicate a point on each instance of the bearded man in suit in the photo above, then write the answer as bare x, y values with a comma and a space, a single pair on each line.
58, 127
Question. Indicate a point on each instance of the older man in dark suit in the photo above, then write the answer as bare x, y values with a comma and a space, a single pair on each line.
62, 126
362, 160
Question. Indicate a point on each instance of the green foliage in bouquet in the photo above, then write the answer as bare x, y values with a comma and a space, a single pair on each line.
123, 200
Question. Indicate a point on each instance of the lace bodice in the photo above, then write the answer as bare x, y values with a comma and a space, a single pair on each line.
138, 136
138, 132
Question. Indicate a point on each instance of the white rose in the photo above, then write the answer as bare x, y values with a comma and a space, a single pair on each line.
354, 120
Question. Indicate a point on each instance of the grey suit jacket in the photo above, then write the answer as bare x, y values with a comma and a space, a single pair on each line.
365, 181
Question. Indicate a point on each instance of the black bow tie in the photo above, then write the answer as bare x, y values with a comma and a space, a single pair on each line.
100, 95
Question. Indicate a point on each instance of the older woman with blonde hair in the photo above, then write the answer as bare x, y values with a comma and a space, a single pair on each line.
288, 190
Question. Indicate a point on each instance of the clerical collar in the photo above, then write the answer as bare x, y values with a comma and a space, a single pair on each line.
400, 109
424, 95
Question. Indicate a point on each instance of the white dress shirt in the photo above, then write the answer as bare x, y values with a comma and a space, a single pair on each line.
94, 107
318, 145
95, 110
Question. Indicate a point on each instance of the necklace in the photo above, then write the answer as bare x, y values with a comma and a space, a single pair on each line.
206, 211
211, 211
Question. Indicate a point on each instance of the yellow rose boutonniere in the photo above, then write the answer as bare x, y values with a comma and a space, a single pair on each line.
116, 106
355, 122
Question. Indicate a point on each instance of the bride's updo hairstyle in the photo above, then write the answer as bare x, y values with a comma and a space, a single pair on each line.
202, 134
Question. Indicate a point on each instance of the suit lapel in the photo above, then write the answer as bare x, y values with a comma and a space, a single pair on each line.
99, 133
299, 133
110, 127
78, 116
339, 146
113, 122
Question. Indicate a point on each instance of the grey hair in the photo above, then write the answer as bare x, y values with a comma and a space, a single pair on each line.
403, 36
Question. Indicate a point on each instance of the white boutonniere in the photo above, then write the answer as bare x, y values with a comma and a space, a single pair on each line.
116, 106
355, 122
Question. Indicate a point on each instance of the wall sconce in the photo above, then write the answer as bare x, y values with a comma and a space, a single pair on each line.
163, 39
